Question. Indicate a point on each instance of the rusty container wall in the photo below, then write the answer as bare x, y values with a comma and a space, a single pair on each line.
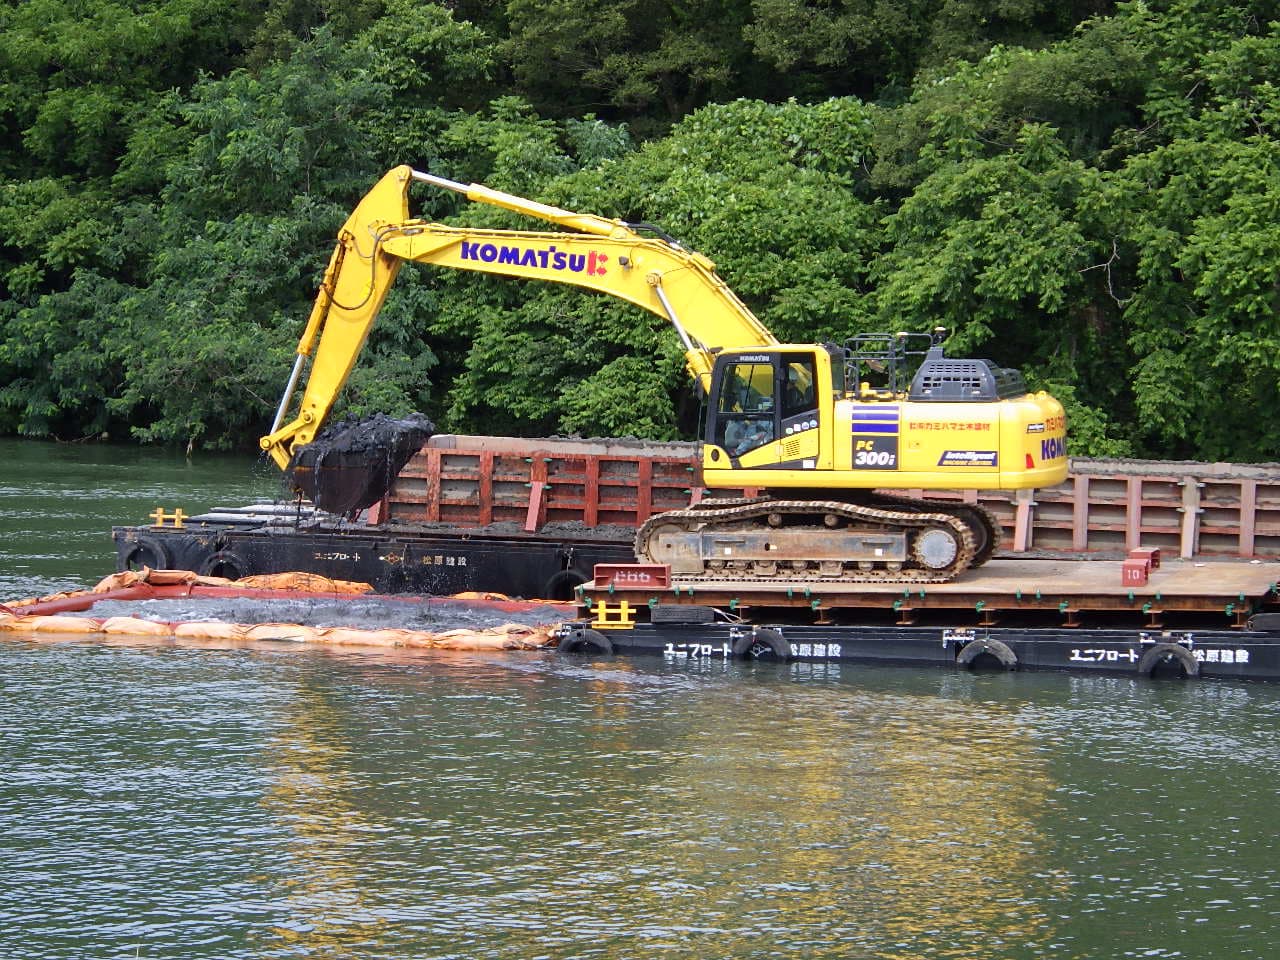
1104, 509
1266, 503
468, 481
1108, 507
1053, 512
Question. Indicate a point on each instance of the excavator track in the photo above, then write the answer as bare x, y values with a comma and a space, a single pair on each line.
766, 540
984, 524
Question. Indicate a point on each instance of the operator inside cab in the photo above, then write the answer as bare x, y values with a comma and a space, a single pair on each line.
747, 407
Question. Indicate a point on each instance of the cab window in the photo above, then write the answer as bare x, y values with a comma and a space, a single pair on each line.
797, 391
747, 388
746, 407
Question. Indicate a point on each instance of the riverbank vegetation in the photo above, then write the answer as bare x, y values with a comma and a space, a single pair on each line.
1086, 190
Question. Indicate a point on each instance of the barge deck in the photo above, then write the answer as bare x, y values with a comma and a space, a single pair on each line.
1069, 593
1213, 619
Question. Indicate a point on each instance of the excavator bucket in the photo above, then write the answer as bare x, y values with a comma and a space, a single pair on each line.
351, 464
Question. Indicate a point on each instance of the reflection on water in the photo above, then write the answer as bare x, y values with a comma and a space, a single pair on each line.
228, 803
319, 892
197, 801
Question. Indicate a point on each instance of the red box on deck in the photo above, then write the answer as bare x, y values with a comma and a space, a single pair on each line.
1134, 573
632, 576
1149, 554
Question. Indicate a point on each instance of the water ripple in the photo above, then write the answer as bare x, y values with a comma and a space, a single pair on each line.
205, 803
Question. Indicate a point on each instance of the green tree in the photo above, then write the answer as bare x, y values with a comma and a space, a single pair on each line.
75, 76
1192, 215
870, 47
246, 210
641, 60
280, 24
765, 190
1088, 88
999, 251
436, 72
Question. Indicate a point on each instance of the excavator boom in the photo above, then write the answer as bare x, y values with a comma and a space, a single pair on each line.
591, 252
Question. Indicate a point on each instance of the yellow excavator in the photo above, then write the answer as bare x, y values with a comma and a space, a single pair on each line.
824, 432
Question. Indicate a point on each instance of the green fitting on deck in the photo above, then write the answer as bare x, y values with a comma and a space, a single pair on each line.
1017, 594
690, 590
807, 593
733, 604
814, 605
922, 593
1038, 597
979, 605
791, 592
1158, 596
1240, 598
897, 605
1146, 608
1231, 608
653, 602
1062, 607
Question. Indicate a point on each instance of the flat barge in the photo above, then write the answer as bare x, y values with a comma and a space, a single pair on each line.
532, 517
1191, 619
552, 518
524, 517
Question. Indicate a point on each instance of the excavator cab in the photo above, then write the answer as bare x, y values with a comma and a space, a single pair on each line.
764, 406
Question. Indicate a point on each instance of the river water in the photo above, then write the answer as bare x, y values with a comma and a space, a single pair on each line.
191, 802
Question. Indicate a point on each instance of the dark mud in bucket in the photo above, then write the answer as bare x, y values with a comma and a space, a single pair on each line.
352, 463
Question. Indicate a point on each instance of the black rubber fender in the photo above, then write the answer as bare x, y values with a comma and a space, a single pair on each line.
563, 584
998, 650
149, 552
1163, 652
762, 643
224, 563
586, 641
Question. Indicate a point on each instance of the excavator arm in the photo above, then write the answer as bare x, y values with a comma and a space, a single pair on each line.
595, 253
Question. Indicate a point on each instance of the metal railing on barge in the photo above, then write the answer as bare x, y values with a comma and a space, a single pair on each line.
1104, 509
1109, 507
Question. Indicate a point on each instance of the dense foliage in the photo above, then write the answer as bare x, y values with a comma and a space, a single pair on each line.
1086, 190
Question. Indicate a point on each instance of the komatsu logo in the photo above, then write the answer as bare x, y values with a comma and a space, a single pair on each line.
591, 263
1053, 448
